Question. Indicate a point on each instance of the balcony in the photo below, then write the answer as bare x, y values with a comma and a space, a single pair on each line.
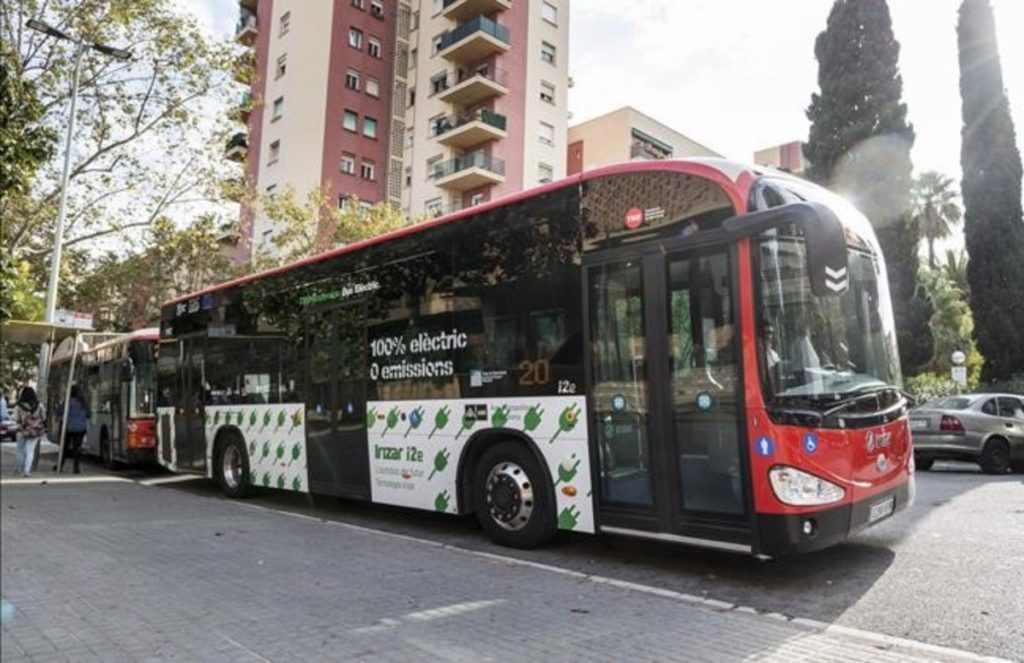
461, 10
241, 111
468, 171
468, 86
237, 147
469, 130
245, 31
474, 40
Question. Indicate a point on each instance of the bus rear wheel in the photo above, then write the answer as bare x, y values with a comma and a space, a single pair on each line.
513, 496
233, 468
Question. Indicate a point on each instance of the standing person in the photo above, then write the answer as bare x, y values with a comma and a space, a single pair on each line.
31, 419
76, 425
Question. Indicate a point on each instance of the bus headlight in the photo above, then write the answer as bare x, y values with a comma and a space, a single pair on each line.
798, 488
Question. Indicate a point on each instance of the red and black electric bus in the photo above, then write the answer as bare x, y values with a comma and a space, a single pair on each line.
117, 376
690, 351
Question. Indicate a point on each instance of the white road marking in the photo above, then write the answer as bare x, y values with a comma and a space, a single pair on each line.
244, 648
41, 481
450, 610
177, 478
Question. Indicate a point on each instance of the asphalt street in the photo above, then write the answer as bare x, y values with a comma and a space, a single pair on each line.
946, 572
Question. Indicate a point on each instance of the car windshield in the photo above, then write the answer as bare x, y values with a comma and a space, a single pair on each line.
822, 347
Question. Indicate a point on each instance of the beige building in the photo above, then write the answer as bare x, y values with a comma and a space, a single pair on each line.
627, 134
788, 157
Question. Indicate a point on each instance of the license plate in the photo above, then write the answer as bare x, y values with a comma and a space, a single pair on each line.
882, 509
918, 424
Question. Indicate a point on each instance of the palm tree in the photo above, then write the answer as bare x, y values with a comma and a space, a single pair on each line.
955, 269
936, 208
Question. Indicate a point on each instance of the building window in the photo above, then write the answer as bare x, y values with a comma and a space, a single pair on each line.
367, 171
547, 133
350, 121
435, 168
547, 92
271, 189
377, 9
348, 163
476, 199
547, 52
438, 6
412, 96
373, 48
355, 38
413, 56
369, 127
435, 206
415, 24
436, 44
352, 79
439, 83
285, 23
545, 173
275, 152
282, 65
278, 109
359, 4
372, 87
549, 13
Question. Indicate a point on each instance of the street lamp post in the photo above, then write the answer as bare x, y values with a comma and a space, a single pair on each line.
58, 235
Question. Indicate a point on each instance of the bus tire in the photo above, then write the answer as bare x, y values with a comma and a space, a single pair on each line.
513, 496
995, 459
232, 467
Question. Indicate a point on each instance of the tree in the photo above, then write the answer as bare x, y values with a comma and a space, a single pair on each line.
935, 208
955, 270
128, 112
312, 225
859, 145
952, 325
993, 218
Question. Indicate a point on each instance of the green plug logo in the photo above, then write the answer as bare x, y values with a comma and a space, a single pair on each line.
252, 449
567, 421
468, 421
297, 483
441, 501
500, 417
216, 417
296, 420
567, 471
440, 420
266, 479
296, 451
281, 418
533, 418
440, 462
371, 417
252, 421
280, 450
569, 517
390, 422
266, 449
280, 481
266, 420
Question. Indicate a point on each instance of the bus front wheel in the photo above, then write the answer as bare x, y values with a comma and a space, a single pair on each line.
513, 496
233, 468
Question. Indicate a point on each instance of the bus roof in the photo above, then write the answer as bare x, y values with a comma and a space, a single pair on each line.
63, 352
729, 174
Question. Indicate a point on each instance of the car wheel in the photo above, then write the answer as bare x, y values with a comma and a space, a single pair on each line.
923, 464
232, 468
513, 496
995, 459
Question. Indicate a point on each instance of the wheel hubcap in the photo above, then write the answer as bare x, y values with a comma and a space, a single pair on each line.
509, 494
232, 467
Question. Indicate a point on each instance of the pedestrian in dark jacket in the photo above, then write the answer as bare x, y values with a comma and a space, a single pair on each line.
77, 424
30, 416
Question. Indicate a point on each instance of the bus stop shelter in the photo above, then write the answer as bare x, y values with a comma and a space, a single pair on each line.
47, 334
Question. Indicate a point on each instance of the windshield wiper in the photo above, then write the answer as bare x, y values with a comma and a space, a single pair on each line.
844, 403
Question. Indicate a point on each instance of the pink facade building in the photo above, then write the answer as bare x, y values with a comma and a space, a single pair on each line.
431, 105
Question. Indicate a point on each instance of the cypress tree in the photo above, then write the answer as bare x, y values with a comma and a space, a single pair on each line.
993, 222
859, 145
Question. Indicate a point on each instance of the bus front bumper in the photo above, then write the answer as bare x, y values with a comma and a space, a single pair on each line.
786, 534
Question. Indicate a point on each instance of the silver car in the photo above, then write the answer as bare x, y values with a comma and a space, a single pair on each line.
987, 429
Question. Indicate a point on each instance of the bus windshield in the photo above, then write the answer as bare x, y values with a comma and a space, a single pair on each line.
815, 347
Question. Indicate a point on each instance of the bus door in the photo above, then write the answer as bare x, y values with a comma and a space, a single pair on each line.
189, 428
336, 444
665, 393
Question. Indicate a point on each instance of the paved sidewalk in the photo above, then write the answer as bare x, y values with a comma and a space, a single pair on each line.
124, 572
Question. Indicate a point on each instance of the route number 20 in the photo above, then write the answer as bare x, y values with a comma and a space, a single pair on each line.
534, 373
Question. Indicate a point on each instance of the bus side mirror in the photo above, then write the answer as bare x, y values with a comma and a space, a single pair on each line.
823, 233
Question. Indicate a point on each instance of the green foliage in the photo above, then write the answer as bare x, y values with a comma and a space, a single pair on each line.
929, 386
952, 325
993, 218
859, 145
312, 225
1011, 385
935, 208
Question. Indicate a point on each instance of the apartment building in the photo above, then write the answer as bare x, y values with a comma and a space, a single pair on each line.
788, 157
431, 105
626, 134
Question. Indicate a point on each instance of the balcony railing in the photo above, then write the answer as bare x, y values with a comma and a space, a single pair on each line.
465, 162
451, 122
245, 31
479, 26
474, 72
459, 10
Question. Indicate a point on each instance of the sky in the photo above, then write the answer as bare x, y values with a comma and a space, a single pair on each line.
737, 75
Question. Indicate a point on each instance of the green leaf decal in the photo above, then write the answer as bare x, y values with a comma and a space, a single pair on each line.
252, 449
252, 419
296, 450
281, 418
266, 479
297, 483
280, 450
266, 419
280, 481
241, 418
266, 449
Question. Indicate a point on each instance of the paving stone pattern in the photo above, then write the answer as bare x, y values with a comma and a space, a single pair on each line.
123, 572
